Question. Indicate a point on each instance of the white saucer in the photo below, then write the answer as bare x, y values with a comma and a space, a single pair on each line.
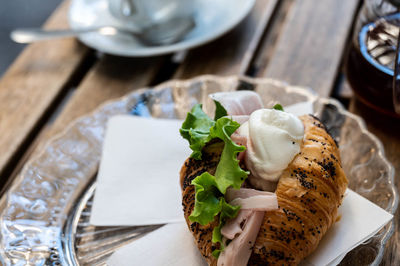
213, 19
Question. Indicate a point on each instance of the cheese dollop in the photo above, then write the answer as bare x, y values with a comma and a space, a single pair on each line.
273, 140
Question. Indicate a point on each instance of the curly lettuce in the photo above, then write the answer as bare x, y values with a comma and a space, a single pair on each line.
199, 129
196, 130
207, 199
228, 172
278, 107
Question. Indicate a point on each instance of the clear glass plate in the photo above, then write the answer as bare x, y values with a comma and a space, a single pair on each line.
44, 215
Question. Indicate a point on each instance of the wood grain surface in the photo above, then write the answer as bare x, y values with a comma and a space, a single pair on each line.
32, 84
111, 77
310, 47
267, 44
232, 53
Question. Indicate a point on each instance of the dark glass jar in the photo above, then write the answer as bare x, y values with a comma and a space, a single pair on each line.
370, 62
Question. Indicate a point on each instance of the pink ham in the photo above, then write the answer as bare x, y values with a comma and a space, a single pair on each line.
251, 199
243, 229
241, 119
258, 203
238, 102
238, 252
233, 226
244, 193
240, 140
239, 105
260, 183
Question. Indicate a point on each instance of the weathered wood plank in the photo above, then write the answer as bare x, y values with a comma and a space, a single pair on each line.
267, 45
310, 48
32, 84
232, 53
111, 77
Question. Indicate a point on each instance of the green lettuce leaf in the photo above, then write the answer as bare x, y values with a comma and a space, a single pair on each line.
228, 172
207, 200
278, 107
196, 129
220, 111
227, 212
199, 129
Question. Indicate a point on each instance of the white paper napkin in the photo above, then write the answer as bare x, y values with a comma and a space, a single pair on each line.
138, 180
171, 244
360, 219
301, 108
174, 245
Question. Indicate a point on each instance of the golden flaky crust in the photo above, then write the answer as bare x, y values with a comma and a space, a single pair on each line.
309, 193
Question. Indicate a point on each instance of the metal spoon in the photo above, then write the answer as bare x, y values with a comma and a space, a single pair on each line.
164, 33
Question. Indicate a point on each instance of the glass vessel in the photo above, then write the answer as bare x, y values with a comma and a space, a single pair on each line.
372, 54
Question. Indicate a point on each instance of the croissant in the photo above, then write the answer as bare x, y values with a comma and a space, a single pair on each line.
309, 193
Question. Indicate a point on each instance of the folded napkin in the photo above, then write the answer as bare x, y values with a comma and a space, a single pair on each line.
173, 244
360, 219
138, 180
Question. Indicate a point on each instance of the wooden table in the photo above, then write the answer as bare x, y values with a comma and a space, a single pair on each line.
301, 42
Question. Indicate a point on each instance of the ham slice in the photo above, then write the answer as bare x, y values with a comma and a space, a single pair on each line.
238, 102
243, 229
240, 140
259, 183
233, 226
258, 203
241, 119
238, 252
239, 105
251, 199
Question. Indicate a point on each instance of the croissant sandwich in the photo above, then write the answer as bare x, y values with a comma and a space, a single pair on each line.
262, 186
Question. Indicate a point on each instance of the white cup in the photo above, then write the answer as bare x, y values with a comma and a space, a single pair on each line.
142, 13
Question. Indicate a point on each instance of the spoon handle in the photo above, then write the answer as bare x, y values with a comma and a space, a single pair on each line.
29, 35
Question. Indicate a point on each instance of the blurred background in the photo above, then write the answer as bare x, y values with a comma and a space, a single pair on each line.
16, 14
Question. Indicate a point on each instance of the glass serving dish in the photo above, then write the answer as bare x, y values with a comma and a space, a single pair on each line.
45, 212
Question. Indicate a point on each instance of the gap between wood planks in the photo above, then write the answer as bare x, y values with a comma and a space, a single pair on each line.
267, 43
32, 86
312, 42
88, 95
341, 88
44, 120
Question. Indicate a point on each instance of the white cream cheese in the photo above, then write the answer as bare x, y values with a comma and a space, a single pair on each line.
274, 139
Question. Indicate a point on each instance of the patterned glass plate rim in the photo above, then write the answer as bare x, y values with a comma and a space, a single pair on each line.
44, 214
